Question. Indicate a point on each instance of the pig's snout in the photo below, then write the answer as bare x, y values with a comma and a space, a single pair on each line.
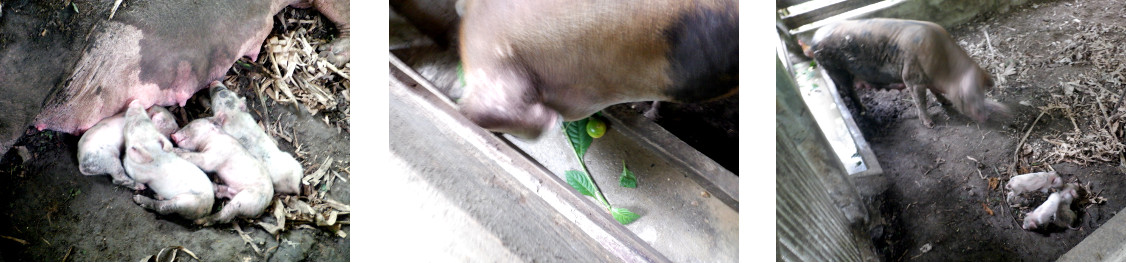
177, 137
528, 123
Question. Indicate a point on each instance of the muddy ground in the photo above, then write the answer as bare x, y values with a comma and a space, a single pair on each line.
53, 213
1056, 57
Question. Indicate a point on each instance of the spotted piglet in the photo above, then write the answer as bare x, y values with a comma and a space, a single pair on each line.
231, 114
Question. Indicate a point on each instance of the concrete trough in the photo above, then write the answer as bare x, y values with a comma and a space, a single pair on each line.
688, 203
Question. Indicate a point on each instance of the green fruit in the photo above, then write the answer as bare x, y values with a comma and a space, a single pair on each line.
595, 128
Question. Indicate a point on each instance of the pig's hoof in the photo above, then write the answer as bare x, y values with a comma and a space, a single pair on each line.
126, 183
137, 199
928, 123
204, 221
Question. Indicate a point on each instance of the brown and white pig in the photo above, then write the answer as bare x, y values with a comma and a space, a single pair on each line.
231, 114
244, 180
921, 55
530, 64
85, 67
100, 148
1065, 217
1046, 212
180, 186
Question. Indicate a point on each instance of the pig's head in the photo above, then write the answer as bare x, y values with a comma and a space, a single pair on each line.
163, 120
505, 101
140, 130
1029, 224
969, 97
1057, 182
195, 133
224, 101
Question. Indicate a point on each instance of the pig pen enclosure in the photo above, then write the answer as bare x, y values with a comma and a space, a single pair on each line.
51, 212
1058, 66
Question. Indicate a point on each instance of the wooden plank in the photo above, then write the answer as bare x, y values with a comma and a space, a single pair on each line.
788, 3
720, 182
797, 20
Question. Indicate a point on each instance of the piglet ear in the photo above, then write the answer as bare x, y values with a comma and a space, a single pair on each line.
242, 105
219, 118
138, 155
165, 145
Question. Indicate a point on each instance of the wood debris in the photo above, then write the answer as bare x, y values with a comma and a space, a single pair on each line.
168, 254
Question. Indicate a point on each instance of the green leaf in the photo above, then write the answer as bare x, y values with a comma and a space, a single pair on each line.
623, 216
460, 75
576, 134
627, 179
578, 180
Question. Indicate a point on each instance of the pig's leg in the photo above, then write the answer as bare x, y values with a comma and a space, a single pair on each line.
201, 159
224, 192
247, 203
920, 94
338, 51
914, 79
941, 98
188, 205
120, 178
844, 81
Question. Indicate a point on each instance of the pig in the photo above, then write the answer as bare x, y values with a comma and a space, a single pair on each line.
181, 188
244, 180
100, 148
920, 55
1042, 181
1065, 217
231, 113
530, 64
155, 52
1047, 212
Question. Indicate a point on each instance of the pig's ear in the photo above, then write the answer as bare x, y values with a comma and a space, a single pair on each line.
219, 118
165, 145
138, 155
242, 104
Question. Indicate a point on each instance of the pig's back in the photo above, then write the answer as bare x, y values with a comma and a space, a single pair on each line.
611, 51
877, 50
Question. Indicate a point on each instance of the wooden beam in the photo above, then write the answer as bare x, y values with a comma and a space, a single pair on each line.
797, 20
788, 3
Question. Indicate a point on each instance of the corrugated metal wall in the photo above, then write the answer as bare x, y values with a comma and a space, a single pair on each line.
819, 213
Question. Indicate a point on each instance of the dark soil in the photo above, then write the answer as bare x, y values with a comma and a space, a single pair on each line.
937, 206
711, 127
51, 212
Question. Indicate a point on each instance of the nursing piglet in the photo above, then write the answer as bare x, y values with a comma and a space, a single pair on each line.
231, 114
180, 186
100, 148
244, 180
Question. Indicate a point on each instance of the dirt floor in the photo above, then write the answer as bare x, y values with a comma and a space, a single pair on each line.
53, 213
1061, 58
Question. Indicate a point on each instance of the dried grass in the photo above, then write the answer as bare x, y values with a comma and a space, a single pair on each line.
1090, 100
290, 71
